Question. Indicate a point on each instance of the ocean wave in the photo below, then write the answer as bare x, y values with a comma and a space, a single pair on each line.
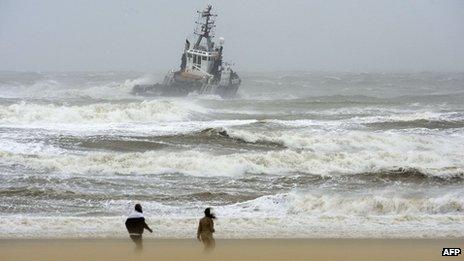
356, 117
386, 202
420, 123
145, 111
343, 113
326, 161
238, 136
248, 151
112, 227
414, 116
340, 140
283, 215
113, 86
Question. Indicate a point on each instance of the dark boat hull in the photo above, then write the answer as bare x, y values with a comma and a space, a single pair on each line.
185, 88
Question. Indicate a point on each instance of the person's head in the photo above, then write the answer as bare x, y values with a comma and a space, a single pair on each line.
208, 213
138, 208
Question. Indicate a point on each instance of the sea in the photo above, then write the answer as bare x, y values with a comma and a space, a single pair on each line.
294, 155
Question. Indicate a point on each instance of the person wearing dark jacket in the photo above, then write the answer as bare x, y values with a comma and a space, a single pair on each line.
135, 225
206, 229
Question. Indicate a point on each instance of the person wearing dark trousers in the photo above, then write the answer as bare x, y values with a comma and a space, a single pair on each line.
206, 229
135, 225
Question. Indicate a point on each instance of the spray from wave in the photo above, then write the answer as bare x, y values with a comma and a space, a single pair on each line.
62, 86
145, 111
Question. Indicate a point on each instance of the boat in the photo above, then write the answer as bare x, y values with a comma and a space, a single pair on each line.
202, 69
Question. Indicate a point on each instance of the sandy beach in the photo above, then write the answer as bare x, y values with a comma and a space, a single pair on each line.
228, 249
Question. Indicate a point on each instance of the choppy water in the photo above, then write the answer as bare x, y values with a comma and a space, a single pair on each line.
297, 155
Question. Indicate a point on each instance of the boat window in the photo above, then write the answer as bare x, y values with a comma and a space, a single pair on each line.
203, 58
194, 59
189, 55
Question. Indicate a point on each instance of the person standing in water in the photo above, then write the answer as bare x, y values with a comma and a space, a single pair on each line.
135, 225
206, 229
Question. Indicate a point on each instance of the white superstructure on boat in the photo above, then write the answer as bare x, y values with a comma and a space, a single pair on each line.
202, 69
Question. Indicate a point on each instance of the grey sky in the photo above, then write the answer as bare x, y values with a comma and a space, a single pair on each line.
382, 35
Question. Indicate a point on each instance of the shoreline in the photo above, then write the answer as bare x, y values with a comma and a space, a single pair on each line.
147, 237
226, 249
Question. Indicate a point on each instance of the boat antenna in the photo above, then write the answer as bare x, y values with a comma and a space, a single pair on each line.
205, 24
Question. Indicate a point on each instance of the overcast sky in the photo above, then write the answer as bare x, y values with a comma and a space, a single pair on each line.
267, 35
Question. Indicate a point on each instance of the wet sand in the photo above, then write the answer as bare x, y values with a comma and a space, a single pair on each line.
228, 249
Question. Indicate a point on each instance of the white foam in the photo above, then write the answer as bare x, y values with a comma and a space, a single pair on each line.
113, 227
160, 128
64, 86
337, 139
291, 215
145, 111
321, 154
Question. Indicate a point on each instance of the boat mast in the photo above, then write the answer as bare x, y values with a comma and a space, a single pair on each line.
204, 25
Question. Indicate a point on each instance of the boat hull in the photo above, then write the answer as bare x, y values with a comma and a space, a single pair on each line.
177, 89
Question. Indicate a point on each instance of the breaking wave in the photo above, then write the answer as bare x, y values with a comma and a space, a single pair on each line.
350, 141
212, 134
281, 162
336, 204
107, 86
145, 111
282, 215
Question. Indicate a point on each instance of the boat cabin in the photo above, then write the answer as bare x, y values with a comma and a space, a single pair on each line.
201, 60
